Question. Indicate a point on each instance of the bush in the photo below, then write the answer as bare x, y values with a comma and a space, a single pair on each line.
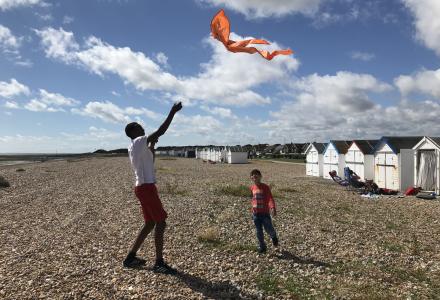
4, 183
210, 235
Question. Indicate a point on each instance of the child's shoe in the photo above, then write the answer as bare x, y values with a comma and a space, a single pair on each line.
262, 249
275, 242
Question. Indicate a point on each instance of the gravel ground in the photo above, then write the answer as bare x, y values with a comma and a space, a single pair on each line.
66, 226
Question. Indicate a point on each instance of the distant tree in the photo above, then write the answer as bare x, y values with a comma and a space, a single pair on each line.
100, 151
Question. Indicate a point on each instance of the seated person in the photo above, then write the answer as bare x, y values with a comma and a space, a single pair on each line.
338, 179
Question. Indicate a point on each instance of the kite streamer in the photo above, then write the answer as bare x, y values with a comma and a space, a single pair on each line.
220, 30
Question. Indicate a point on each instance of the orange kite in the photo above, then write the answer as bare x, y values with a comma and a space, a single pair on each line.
220, 30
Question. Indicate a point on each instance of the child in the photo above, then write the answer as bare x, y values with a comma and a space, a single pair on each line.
142, 161
262, 205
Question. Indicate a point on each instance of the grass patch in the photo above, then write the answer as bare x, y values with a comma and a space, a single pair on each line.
227, 215
243, 247
391, 226
415, 246
299, 289
210, 236
165, 170
372, 292
4, 183
405, 275
268, 282
288, 190
174, 189
392, 247
237, 191
343, 207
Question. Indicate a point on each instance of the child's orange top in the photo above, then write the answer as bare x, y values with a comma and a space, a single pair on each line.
262, 200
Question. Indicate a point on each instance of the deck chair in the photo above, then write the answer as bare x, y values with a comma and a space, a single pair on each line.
338, 179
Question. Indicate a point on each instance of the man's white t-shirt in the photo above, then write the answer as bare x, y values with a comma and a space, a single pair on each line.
142, 161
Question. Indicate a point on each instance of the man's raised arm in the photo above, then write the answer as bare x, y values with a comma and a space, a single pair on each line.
154, 137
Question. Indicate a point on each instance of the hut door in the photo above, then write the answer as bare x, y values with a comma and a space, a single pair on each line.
386, 168
426, 173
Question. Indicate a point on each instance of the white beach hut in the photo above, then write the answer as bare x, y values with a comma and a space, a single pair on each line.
427, 164
314, 159
214, 154
236, 155
204, 154
394, 162
360, 158
334, 158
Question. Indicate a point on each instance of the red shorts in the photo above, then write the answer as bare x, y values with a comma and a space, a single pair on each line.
151, 206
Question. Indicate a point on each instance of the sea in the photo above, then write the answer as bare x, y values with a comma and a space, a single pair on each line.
9, 159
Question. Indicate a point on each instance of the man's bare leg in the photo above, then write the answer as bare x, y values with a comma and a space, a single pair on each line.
131, 260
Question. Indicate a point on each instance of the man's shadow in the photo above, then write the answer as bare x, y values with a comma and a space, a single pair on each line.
221, 290
286, 255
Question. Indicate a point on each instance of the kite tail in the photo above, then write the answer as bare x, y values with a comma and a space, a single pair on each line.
269, 55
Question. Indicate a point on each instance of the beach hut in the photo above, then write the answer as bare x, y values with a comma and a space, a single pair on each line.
236, 155
215, 154
427, 164
314, 159
204, 154
190, 153
360, 158
334, 158
394, 162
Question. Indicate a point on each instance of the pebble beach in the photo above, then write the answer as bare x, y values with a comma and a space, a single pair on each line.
66, 226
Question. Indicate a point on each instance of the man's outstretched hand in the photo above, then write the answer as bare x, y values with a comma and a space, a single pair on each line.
176, 107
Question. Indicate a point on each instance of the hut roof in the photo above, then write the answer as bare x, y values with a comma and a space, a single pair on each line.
340, 146
397, 143
366, 146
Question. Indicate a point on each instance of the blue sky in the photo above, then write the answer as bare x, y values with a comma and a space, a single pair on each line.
74, 73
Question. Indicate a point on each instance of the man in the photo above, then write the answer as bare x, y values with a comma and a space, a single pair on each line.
142, 160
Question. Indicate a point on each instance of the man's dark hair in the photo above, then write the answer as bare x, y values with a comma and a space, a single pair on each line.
255, 172
129, 128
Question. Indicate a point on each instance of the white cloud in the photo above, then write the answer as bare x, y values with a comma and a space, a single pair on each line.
363, 56
425, 82
58, 44
12, 105
9, 4
56, 99
24, 63
310, 123
219, 111
343, 92
226, 79
109, 112
50, 102
264, 8
9, 44
427, 21
189, 125
40, 106
68, 19
340, 106
44, 17
12, 89
162, 59
95, 134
